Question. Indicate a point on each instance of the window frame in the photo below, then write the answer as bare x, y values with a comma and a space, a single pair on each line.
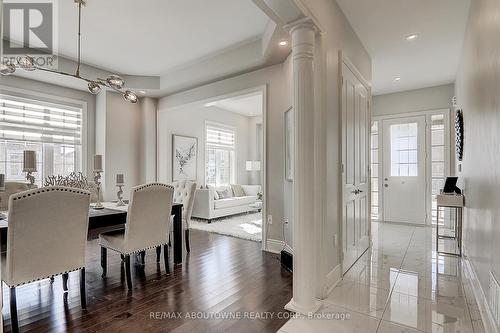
222, 126
49, 100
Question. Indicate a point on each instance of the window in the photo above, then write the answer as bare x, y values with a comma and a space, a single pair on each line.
53, 131
438, 162
220, 161
404, 150
374, 168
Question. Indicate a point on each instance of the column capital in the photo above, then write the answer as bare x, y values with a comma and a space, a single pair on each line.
302, 23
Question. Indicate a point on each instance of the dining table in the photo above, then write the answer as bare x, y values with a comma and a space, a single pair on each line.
114, 217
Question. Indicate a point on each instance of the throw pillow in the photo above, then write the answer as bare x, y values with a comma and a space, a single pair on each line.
214, 192
238, 190
225, 194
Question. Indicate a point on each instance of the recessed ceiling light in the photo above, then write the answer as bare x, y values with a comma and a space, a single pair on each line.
397, 78
411, 37
283, 43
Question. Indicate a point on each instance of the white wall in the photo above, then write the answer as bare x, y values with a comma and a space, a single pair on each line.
431, 98
477, 89
277, 101
255, 147
119, 133
148, 139
190, 121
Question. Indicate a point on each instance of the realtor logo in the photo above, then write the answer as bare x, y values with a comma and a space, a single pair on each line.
29, 28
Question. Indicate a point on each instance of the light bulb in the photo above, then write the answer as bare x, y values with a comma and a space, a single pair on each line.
7, 69
26, 62
115, 82
130, 96
94, 88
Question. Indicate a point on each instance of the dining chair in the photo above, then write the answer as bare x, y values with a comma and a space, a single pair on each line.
147, 226
11, 188
184, 191
47, 236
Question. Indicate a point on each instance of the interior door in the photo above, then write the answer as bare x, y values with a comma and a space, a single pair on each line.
355, 168
404, 179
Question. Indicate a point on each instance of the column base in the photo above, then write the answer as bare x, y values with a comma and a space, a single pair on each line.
294, 307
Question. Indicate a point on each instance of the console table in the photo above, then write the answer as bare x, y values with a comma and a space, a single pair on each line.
456, 201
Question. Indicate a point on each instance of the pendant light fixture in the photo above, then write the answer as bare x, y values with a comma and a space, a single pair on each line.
113, 82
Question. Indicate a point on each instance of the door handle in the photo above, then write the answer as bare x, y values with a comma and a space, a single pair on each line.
360, 191
355, 191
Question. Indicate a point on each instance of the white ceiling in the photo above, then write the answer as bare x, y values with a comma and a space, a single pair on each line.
429, 60
249, 105
155, 36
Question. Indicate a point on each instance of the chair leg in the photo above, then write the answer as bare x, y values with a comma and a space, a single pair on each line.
65, 281
104, 261
83, 294
158, 253
13, 311
186, 236
143, 258
165, 258
127, 272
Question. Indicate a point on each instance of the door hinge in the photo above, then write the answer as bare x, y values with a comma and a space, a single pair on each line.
342, 167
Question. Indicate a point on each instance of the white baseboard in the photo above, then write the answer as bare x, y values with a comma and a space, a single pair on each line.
481, 300
274, 246
332, 279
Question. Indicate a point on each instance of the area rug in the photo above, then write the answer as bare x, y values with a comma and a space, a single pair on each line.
245, 226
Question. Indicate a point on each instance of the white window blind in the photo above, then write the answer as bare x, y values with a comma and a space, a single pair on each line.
220, 137
220, 155
22, 119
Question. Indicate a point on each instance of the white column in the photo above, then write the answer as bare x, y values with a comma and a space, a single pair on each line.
304, 226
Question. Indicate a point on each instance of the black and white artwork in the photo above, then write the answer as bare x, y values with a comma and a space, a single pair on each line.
184, 157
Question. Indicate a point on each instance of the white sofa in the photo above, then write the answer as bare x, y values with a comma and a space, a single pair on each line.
208, 206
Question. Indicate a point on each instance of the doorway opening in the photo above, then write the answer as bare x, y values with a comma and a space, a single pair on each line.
230, 131
410, 160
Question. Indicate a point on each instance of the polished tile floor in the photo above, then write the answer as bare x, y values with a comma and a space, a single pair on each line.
399, 285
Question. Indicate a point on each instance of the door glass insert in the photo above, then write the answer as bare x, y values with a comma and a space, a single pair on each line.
404, 150
438, 161
374, 168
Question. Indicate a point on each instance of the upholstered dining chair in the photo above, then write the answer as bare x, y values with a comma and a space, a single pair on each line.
147, 226
184, 191
11, 188
47, 236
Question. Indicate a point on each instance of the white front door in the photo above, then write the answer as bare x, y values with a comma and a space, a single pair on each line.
355, 174
404, 167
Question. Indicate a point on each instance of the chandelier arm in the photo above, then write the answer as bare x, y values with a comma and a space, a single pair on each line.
62, 73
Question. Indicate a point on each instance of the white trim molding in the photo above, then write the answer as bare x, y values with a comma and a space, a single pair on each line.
333, 278
481, 299
274, 246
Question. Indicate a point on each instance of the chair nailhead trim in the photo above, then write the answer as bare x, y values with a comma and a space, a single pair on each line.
29, 193
44, 277
135, 251
152, 185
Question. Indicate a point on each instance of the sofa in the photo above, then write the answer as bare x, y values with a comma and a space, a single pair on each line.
208, 204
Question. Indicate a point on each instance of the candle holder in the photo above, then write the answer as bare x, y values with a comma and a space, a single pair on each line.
30, 178
97, 180
119, 194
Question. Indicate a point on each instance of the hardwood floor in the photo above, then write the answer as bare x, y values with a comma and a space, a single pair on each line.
221, 276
